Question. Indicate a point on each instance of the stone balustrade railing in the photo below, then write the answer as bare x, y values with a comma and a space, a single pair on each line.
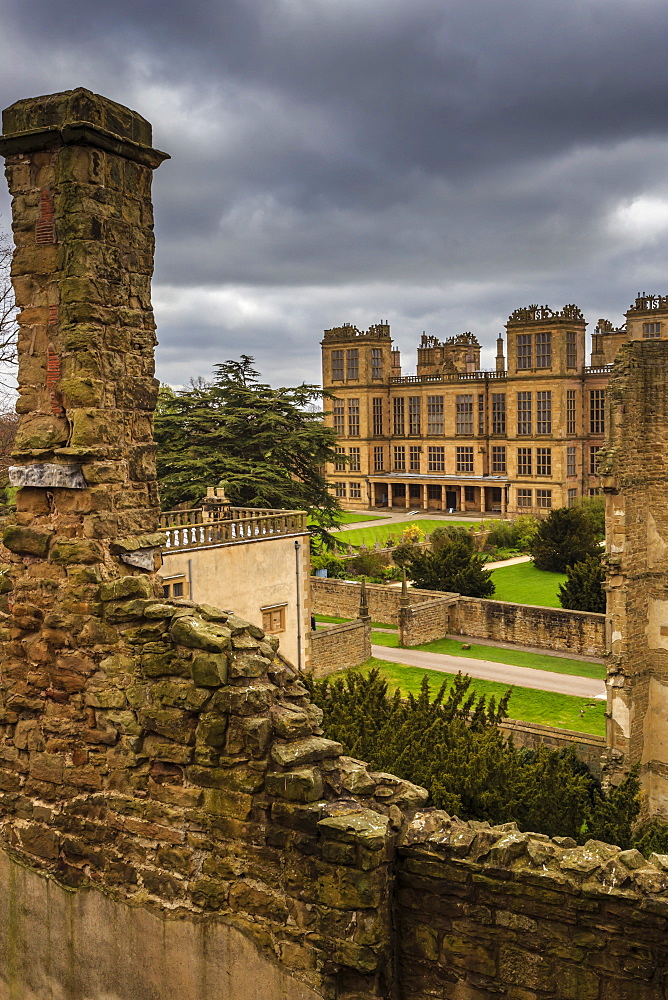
244, 525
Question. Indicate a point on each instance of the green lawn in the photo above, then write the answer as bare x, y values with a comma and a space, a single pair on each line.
561, 710
524, 584
353, 516
369, 536
516, 657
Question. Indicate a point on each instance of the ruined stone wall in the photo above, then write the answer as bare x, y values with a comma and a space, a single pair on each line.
576, 632
636, 484
493, 912
339, 647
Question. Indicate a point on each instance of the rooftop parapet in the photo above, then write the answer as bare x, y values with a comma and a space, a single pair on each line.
543, 314
377, 331
649, 303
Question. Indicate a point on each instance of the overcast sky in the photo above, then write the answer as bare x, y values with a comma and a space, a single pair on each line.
434, 163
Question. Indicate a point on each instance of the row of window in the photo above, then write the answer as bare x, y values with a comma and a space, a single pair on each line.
352, 364
530, 413
408, 459
534, 350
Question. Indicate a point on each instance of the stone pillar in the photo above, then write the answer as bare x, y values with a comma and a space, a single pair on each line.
635, 471
79, 170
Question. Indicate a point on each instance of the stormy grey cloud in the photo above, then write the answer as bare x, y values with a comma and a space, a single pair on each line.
434, 163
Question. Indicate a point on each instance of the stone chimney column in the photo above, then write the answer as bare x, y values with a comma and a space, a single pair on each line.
79, 169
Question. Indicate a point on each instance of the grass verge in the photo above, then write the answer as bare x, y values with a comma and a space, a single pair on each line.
524, 584
515, 657
333, 620
544, 707
381, 532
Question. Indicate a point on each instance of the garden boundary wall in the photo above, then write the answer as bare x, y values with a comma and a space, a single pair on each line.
577, 632
339, 647
532, 735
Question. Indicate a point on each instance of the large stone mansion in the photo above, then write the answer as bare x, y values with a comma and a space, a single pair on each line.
522, 438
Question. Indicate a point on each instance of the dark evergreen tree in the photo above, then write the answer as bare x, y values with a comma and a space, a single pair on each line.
454, 566
583, 590
266, 444
451, 744
563, 538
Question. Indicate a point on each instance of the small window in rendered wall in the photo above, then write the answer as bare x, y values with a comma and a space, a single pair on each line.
273, 618
175, 586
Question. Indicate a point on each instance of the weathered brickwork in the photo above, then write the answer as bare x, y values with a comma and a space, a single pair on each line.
579, 632
339, 647
636, 482
160, 758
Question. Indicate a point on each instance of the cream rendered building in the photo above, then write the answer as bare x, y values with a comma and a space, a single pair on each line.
522, 438
254, 562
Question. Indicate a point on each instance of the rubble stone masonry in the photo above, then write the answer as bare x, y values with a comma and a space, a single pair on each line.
174, 825
636, 482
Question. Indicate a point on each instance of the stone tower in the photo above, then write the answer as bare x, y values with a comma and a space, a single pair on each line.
636, 487
79, 169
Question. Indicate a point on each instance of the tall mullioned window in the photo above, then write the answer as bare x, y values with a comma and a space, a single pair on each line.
355, 491
414, 419
414, 456
354, 418
524, 423
434, 414
543, 350
341, 490
543, 461
378, 458
523, 350
464, 414
435, 458
464, 458
498, 413
352, 363
524, 498
571, 460
544, 412
376, 362
571, 349
498, 458
570, 412
597, 411
651, 331
399, 458
340, 464
339, 417
377, 411
481, 414
337, 366
398, 412
543, 498
524, 462
572, 497
354, 464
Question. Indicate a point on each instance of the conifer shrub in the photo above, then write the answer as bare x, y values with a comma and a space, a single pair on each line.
563, 538
452, 745
583, 589
453, 565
